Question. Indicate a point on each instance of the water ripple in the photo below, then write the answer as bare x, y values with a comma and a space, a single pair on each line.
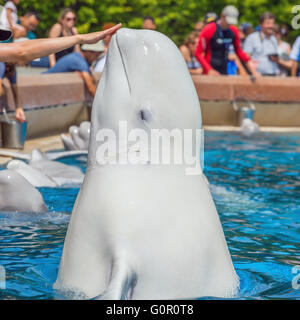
255, 185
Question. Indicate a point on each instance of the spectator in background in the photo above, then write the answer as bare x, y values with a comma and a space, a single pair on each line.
210, 17
9, 17
188, 51
284, 50
283, 46
199, 25
99, 64
149, 23
80, 62
234, 66
215, 40
244, 30
65, 26
29, 22
9, 20
295, 57
26, 51
7, 70
262, 46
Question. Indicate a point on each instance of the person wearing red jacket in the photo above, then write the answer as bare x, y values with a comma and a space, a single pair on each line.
215, 40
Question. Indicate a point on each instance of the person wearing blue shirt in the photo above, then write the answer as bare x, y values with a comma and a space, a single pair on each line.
262, 46
80, 62
29, 22
295, 57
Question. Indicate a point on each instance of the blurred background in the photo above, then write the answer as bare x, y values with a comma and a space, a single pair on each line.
173, 18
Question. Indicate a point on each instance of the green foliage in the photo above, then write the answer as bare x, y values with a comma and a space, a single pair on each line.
174, 18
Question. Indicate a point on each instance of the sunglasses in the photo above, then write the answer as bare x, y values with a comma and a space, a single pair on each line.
71, 19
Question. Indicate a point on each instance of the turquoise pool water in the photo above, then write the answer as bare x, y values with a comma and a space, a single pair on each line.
256, 187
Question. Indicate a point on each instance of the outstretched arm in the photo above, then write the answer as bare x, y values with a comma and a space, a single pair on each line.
24, 52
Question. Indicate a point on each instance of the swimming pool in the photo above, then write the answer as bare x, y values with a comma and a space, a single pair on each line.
256, 187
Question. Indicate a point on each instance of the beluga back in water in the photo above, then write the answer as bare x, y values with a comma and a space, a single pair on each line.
144, 230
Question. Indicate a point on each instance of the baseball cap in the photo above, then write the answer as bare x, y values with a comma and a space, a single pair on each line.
5, 34
231, 14
210, 17
96, 47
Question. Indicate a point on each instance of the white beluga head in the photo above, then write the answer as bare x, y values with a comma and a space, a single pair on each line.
249, 127
18, 194
58, 172
32, 175
42, 172
84, 131
37, 155
79, 137
146, 83
144, 231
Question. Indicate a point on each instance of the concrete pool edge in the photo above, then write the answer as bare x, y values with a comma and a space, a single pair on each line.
262, 129
45, 144
60, 100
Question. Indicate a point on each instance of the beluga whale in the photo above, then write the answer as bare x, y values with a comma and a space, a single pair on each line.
143, 229
79, 137
17, 194
42, 171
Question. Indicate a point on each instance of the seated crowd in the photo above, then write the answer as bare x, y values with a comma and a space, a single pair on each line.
216, 46
223, 48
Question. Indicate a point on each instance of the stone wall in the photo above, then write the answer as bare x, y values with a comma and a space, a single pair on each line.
277, 100
266, 89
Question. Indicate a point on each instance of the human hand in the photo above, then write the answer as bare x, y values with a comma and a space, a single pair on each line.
254, 76
253, 64
19, 31
94, 37
20, 115
257, 75
274, 57
213, 72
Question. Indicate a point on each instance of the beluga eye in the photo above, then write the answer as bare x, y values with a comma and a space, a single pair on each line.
145, 115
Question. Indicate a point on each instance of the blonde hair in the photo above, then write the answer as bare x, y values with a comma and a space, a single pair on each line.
191, 37
63, 13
